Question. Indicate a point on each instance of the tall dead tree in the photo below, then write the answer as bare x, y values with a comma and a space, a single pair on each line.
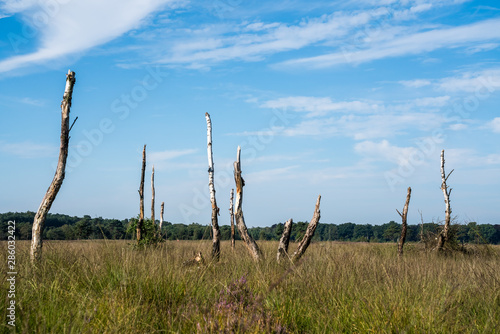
306, 240
284, 240
404, 225
215, 209
50, 195
443, 236
153, 196
250, 243
231, 215
141, 197
161, 217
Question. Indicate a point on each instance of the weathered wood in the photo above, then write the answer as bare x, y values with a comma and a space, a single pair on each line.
306, 240
404, 225
153, 196
141, 197
284, 240
161, 217
50, 195
231, 215
250, 243
211, 186
443, 236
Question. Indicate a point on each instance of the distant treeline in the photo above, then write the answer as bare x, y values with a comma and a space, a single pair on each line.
64, 227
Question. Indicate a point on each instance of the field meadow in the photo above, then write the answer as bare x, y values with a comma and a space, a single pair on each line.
102, 286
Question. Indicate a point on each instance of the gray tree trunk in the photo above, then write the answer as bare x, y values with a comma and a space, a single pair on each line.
141, 197
306, 240
50, 195
161, 217
284, 241
404, 225
215, 209
443, 236
153, 196
250, 243
231, 215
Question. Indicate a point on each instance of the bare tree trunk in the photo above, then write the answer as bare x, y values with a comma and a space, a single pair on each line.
421, 226
153, 196
161, 217
443, 236
50, 195
252, 246
306, 240
215, 209
141, 197
404, 225
284, 241
231, 215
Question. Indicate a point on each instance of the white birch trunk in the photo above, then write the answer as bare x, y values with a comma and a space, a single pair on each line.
161, 215
215, 209
153, 196
443, 236
141, 197
231, 215
50, 195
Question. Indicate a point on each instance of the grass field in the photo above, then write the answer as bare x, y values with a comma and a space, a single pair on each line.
110, 287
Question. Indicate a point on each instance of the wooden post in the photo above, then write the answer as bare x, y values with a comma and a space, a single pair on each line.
443, 236
161, 217
284, 241
141, 197
306, 240
250, 243
215, 209
153, 196
404, 225
231, 215
50, 195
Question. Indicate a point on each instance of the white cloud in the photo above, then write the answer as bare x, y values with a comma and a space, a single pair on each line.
482, 48
157, 157
483, 82
407, 44
417, 83
439, 101
458, 127
28, 150
384, 151
75, 26
494, 125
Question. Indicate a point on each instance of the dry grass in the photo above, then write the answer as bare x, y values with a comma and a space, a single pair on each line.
109, 287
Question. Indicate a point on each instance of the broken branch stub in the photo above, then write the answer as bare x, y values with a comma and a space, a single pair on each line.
284, 240
404, 225
141, 197
306, 240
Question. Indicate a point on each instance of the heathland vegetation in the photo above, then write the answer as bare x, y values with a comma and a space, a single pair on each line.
64, 227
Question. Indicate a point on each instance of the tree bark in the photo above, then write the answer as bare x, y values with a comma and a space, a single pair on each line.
153, 196
215, 209
443, 236
50, 195
141, 197
306, 240
161, 217
404, 225
231, 215
284, 241
250, 243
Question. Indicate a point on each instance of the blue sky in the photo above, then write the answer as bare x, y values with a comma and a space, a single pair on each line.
353, 100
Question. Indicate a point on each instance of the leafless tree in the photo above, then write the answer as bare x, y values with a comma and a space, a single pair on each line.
153, 196
404, 225
306, 240
231, 215
284, 240
443, 236
141, 197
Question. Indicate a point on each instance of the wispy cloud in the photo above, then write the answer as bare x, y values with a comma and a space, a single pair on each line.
28, 150
156, 157
494, 125
76, 26
472, 81
417, 83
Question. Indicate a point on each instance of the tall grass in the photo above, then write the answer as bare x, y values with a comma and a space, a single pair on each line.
110, 287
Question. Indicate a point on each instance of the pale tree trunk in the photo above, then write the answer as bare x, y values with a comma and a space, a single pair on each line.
153, 196
50, 195
141, 197
306, 240
215, 209
231, 215
285, 240
443, 236
161, 217
250, 243
404, 225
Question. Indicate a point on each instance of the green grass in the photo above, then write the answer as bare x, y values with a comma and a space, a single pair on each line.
110, 287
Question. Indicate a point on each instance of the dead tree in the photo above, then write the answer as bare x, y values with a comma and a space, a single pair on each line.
404, 225
443, 236
215, 209
161, 217
153, 196
141, 197
306, 240
231, 215
50, 195
250, 243
285, 240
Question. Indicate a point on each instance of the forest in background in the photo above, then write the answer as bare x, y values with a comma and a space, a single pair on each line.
64, 227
